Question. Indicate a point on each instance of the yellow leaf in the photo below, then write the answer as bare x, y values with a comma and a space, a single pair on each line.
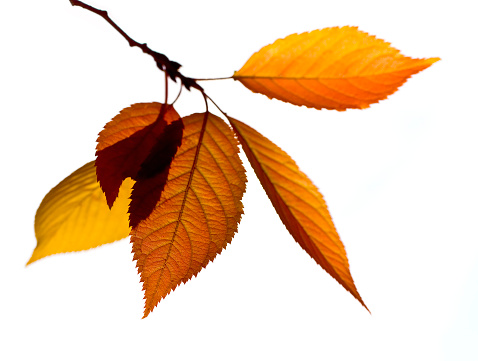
299, 204
333, 68
74, 215
198, 212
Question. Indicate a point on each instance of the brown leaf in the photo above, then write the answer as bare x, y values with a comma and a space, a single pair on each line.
333, 68
198, 212
299, 204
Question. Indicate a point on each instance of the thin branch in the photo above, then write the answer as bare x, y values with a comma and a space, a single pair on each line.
171, 68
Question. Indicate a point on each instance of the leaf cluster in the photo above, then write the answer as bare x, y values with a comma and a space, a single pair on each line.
175, 183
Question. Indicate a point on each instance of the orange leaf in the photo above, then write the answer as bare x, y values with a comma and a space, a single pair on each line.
298, 202
199, 209
74, 216
333, 68
139, 143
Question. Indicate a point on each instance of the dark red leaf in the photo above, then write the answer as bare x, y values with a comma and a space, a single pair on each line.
139, 143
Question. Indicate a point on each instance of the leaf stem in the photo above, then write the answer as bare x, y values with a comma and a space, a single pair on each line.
206, 97
179, 93
166, 81
206, 79
217, 106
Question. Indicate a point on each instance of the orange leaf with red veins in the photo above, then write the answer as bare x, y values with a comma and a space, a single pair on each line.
139, 143
299, 204
333, 68
198, 212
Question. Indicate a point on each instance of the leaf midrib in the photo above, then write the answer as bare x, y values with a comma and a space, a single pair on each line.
318, 78
183, 204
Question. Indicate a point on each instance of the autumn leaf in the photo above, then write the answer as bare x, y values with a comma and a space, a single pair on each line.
298, 202
130, 139
199, 209
74, 215
332, 68
140, 143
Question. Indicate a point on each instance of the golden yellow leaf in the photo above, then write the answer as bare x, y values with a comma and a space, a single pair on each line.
332, 68
198, 212
298, 202
74, 215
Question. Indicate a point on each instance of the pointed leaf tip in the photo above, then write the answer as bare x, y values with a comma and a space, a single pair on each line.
333, 68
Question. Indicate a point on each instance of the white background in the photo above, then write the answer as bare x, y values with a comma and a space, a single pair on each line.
400, 179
